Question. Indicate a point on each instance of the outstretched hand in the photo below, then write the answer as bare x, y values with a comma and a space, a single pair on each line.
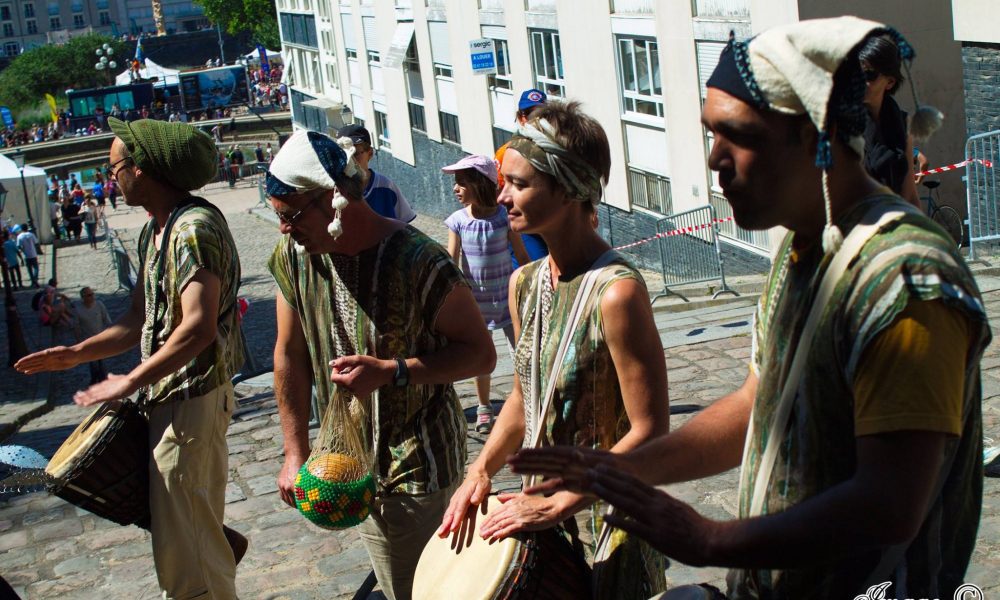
669, 525
115, 387
563, 467
58, 358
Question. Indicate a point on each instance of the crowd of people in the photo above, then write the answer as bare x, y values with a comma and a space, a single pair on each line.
859, 441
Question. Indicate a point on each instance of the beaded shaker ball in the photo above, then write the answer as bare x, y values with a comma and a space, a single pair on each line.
334, 491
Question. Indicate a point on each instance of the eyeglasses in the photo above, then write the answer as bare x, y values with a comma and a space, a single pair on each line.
292, 218
871, 75
112, 171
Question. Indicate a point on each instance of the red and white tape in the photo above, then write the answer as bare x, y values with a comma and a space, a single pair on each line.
986, 163
680, 231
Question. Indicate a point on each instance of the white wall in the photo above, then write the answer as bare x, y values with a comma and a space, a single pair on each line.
976, 21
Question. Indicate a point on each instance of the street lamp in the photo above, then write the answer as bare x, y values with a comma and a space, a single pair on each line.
19, 161
16, 346
105, 61
346, 116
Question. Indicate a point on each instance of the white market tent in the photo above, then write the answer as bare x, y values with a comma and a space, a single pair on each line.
166, 75
37, 187
271, 55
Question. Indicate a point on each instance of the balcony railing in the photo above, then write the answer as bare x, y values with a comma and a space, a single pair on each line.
722, 9
758, 241
650, 191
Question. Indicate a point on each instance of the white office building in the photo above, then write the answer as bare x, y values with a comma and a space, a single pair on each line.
404, 69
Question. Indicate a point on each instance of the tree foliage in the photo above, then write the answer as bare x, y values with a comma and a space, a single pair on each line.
237, 16
54, 69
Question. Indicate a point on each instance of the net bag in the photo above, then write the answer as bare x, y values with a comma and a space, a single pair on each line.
335, 488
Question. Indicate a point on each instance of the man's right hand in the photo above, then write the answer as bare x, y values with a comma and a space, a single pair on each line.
464, 502
286, 478
57, 358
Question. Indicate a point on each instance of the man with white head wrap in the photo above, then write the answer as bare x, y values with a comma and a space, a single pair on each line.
372, 306
860, 441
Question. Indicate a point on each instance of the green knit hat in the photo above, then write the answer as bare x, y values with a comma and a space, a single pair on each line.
176, 153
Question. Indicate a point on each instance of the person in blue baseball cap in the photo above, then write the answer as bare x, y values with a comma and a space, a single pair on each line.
529, 102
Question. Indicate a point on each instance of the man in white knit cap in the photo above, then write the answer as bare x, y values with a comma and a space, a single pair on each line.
369, 305
859, 441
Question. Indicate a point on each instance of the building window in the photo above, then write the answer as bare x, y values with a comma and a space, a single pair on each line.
78, 22
104, 17
331, 75
374, 58
639, 76
382, 130
411, 70
546, 60
442, 71
29, 10
55, 23
449, 127
11, 49
31, 26
4, 13
502, 79
299, 29
418, 121
8, 30
351, 53
501, 137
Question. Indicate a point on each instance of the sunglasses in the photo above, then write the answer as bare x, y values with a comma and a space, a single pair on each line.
112, 171
290, 219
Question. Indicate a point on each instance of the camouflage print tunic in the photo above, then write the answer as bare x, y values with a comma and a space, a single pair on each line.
587, 408
391, 295
200, 240
910, 260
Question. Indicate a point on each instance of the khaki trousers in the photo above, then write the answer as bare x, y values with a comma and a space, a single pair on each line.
397, 531
188, 471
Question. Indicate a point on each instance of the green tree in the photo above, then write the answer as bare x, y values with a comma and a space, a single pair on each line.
236, 16
54, 69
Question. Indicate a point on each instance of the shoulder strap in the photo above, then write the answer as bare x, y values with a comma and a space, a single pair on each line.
582, 305
876, 219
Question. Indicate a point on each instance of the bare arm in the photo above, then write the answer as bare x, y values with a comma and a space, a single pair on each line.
121, 336
455, 248
197, 329
848, 517
517, 245
292, 388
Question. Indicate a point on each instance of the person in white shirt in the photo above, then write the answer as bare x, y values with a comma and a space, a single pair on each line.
28, 244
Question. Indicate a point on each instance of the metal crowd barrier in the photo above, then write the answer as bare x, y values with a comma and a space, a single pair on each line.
982, 188
121, 262
692, 253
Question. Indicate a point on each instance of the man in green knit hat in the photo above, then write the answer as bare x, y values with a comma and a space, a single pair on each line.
183, 315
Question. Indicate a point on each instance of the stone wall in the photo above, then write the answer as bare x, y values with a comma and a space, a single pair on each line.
981, 64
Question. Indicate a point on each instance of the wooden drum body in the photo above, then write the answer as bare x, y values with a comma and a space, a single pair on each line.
540, 565
103, 466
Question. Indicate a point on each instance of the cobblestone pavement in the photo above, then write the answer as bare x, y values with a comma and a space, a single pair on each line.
49, 549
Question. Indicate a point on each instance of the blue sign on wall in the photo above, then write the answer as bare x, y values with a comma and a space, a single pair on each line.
8, 119
483, 56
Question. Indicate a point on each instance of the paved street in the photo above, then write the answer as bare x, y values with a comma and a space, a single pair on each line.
49, 549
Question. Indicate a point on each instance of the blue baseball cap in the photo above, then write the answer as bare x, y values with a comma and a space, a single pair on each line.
530, 99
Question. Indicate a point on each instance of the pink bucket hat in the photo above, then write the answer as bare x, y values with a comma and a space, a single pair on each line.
484, 164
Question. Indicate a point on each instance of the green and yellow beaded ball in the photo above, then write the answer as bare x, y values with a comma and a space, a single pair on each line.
334, 491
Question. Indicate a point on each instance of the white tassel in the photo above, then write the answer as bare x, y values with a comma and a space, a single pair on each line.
347, 145
833, 238
300, 248
339, 201
335, 228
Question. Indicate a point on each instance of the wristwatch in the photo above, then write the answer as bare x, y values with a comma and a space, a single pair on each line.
402, 376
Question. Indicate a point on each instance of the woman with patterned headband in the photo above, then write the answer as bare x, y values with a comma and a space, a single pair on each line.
589, 366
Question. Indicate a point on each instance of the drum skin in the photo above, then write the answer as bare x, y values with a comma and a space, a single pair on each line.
103, 466
540, 565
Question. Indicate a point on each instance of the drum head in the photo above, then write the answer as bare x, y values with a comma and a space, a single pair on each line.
81, 440
474, 570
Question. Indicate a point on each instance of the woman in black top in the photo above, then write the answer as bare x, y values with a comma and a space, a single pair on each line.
888, 147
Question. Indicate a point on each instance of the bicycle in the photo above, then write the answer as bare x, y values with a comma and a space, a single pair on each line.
944, 215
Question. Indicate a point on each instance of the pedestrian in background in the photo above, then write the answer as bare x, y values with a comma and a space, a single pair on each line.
92, 318
12, 255
28, 244
477, 242
90, 220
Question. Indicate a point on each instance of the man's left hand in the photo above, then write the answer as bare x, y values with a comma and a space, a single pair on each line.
115, 387
361, 375
669, 525
520, 512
